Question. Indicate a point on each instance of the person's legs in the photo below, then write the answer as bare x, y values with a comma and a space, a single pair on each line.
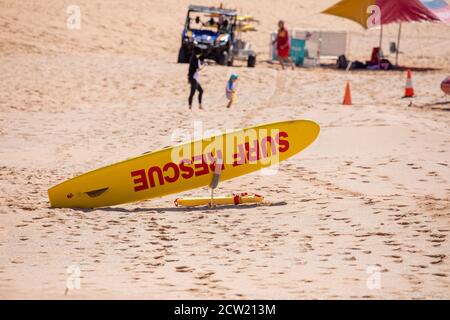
228, 95
200, 95
280, 59
191, 95
289, 60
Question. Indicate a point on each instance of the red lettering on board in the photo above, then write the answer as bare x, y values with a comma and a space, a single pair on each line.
176, 172
264, 150
283, 144
239, 157
142, 180
188, 171
252, 151
151, 178
202, 165
212, 160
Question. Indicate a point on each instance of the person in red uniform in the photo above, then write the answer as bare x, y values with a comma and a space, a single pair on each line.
283, 45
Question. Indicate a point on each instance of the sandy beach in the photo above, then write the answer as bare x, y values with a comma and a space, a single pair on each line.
364, 212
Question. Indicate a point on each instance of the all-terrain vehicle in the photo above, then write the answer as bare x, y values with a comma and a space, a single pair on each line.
212, 30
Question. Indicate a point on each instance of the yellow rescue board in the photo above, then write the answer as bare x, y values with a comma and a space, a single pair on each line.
185, 166
234, 199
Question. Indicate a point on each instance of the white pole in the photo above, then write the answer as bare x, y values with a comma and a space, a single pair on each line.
398, 44
381, 36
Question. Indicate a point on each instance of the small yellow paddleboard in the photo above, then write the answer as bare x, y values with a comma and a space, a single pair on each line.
234, 199
245, 28
185, 166
246, 17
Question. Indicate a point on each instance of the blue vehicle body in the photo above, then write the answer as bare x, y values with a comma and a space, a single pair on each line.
201, 36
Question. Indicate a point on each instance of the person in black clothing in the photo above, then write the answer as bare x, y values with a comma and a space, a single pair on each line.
195, 65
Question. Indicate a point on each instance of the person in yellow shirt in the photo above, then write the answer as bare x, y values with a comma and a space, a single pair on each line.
230, 90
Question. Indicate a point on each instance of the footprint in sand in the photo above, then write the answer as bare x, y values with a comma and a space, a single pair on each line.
184, 269
439, 258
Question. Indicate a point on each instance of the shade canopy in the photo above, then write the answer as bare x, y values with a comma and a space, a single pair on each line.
391, 11
440, 8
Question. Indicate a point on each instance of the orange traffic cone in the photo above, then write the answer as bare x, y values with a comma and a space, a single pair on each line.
409, 90
347, 96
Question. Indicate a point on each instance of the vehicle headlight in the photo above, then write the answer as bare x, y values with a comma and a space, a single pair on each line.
221, 40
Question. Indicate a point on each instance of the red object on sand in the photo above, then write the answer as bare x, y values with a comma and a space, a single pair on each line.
445, 85
375, 58
347, 96
409, 90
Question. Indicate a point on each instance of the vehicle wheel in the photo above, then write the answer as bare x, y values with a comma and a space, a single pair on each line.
251, 61
183, 55
230, 62
223, 58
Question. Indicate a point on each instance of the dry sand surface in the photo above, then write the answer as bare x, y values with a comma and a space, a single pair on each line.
371, 194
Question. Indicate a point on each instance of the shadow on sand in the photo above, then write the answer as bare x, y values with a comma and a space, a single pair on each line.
434, 106
182, 209
332, 66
